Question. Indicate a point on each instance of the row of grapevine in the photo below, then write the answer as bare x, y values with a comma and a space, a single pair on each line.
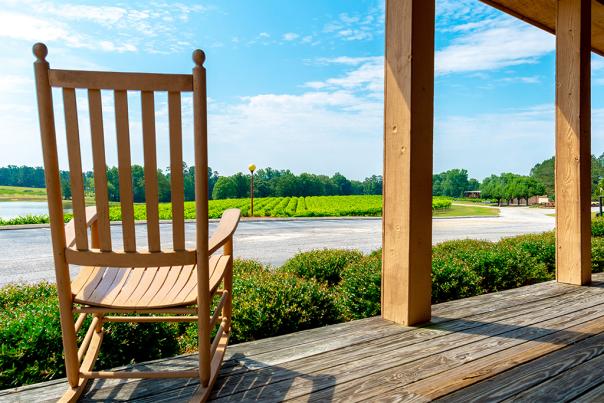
312, 206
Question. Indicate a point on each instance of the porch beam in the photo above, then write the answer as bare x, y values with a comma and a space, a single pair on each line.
573, 141
408, 127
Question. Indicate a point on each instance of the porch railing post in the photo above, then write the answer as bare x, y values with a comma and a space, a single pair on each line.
408, 127
573, 138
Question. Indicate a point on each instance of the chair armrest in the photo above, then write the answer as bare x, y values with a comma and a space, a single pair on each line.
70, 226
226, 228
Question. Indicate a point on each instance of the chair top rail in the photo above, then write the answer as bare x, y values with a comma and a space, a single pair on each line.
104, 80
96, 257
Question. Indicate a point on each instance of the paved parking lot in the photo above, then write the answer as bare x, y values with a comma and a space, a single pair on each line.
25, 254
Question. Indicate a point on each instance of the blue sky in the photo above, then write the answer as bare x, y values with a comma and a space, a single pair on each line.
295, 84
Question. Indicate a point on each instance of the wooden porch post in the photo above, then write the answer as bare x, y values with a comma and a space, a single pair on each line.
408, 126
573, 138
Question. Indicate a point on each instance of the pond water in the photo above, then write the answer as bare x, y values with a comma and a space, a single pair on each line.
11, 209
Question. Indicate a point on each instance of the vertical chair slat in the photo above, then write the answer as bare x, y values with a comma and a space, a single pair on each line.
75, 168
125, 169
151, 191
176, 175
100, 168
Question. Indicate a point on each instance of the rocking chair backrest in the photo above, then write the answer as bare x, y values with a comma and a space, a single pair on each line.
99, 250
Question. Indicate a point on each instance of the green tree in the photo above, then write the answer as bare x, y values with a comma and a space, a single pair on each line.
453, 183
225, 188
65, 185
343, 185
373, 185
138, 183
164, 192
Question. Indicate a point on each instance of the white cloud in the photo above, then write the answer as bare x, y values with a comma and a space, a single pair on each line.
25, 27
368, 75
358, 27
521, 79
149, 26
290, 36
15, 83
501, 42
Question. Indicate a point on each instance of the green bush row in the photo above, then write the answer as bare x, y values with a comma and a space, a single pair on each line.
311, 289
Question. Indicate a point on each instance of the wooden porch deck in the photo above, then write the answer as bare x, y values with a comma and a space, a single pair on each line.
541, 342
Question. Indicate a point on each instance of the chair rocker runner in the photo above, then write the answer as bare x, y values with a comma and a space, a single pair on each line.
179, 284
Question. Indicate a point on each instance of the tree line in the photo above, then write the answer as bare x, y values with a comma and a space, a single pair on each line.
270, 182
267, 182
274, 182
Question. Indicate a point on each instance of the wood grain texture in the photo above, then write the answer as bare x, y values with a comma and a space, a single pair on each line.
96, 257
225, 230
573, 142
124, 162
150, 155
103, 80
90, 218
542, 14
100, 168
75, 168
408, 126
485, 334
55, 208
176, 174
200, 137
524, 377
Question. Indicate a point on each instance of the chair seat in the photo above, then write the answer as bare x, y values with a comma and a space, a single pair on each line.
143, 287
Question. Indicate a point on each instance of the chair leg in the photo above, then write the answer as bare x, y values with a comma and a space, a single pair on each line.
70, 346
90, 356
203, 392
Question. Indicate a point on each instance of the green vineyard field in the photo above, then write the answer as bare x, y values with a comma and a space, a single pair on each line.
312, 206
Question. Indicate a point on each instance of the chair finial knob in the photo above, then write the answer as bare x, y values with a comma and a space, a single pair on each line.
40, 51
199, 57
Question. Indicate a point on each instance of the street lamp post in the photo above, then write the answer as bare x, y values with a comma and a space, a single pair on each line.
252, 168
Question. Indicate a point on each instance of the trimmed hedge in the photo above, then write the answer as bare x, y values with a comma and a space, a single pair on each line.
312, 289
358, 294
324, 265
597, 227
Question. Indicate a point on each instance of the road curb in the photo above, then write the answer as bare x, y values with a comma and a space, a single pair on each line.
247, 219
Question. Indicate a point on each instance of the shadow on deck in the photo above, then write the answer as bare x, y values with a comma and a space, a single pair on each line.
540, 342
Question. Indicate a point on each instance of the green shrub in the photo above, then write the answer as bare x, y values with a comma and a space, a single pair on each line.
469, 267
30, 340
30, 337
597, 227
539, 246
359, 292
269, 304
597, 254
324, 265
247, 266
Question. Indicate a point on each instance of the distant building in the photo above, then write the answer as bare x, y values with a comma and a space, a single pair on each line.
472, 194
541, 200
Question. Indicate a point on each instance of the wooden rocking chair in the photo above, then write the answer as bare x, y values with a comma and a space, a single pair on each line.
178, 284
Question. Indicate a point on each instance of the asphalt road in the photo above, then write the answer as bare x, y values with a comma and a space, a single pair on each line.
25, 254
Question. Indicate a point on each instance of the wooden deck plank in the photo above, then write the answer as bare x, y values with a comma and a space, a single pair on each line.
567, 385
406, 361
528, 375
390, 337
594, 395
378, 359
